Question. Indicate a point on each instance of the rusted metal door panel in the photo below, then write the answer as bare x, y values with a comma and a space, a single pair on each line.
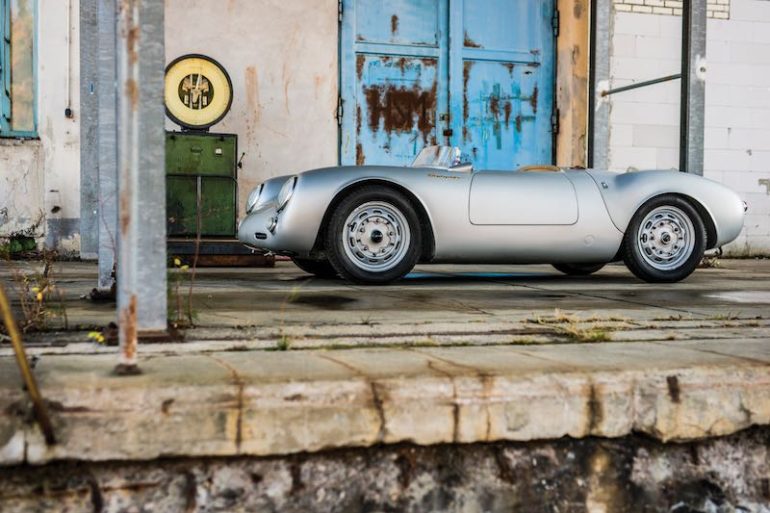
394, 79
502, 81
479, 75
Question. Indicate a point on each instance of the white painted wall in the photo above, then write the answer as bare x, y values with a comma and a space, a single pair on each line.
38, 175
645, 123
282, 59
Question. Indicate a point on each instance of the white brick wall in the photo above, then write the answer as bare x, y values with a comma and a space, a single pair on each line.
644, 123
719, 9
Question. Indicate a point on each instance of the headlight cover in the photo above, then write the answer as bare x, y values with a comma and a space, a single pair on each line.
253, 198
286, 192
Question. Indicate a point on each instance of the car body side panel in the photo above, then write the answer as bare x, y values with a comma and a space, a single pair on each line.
522, 198
445, 197
592, 238
624, 193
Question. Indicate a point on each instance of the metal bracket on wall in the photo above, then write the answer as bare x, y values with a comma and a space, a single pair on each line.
637, 85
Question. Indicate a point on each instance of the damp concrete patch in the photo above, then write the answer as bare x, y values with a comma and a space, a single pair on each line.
741, 296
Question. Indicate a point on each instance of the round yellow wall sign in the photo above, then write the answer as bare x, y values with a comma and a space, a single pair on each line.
198, 91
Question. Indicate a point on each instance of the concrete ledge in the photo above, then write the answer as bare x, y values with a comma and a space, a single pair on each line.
267, 403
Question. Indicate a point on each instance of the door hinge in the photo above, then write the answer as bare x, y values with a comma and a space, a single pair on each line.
555, 122
555, 22
339, 110
339, 10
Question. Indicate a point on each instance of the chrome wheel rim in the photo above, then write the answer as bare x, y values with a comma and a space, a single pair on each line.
376, 236
666, 238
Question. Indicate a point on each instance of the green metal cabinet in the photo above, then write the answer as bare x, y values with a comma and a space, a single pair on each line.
201, 172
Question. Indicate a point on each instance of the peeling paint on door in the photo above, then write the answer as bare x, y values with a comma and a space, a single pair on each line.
407, 81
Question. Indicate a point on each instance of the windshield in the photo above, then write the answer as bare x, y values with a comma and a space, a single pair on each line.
444, 157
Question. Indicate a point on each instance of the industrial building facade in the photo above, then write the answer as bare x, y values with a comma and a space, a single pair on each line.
333, 82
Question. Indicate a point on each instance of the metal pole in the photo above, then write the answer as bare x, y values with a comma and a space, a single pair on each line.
41, 411
599, 105
141, 189
106, 137
89, 120
693, 95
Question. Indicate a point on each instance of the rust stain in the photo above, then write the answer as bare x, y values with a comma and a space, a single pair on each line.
470, 43
401, 109
132, 92
494, 105
518, 123
125, 216
533, 100
507, 110
577, 9
132, 39
393, 24
402, 64
358, 119
360, 60
252, 92
509, 66
360, 157
467, 65
128, 327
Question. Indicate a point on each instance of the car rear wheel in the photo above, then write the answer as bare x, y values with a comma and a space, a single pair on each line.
320, 268
373, 236
578, 269
665, 240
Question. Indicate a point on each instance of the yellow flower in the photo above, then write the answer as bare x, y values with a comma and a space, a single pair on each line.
177, 262
40, 296
35, 289
184, 267
96, 336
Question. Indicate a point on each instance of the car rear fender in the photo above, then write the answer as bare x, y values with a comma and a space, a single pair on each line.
720, 207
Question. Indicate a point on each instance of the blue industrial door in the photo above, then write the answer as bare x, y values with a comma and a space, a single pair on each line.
478, 75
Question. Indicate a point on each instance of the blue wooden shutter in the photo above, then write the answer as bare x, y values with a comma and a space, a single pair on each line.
5, 66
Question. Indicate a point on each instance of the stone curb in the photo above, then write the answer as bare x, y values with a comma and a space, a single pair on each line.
268, 403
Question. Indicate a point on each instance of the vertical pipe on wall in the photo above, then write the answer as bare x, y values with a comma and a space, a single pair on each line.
89, 119
106, 144
693, 94
599, 106
141, 186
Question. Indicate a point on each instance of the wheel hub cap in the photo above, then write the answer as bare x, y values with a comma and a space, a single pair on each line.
666, 238
376, 237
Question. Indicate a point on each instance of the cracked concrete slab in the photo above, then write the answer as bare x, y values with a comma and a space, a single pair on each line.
266, 403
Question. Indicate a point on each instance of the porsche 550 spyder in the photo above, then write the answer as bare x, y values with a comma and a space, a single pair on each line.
372, 224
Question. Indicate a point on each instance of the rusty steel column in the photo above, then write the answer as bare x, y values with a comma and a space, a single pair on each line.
693, 94
141, 177
106, 133
599, 102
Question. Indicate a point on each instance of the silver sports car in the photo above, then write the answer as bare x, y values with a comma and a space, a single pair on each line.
372, 224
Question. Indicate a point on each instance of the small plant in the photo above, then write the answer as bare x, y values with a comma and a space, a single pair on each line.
180, 312
40, 298
283, 343
710, 262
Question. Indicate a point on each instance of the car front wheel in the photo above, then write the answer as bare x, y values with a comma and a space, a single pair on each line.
665, 240
373, 236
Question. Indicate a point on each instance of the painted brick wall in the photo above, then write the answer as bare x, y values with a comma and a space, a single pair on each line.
645, 122
719, 9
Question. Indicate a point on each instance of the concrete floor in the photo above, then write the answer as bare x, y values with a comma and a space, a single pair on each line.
604, 355
283, 307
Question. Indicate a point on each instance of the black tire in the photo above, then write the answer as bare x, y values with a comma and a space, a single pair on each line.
388, 219
578, 269
640, 261
320, 268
